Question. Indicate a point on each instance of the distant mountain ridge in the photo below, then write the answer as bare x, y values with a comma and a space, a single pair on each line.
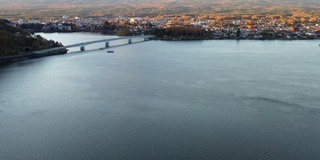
6, 3
153, 7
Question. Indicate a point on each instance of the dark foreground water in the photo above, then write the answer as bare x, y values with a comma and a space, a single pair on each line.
164, 100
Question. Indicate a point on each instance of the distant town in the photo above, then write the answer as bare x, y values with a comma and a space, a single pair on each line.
256, 27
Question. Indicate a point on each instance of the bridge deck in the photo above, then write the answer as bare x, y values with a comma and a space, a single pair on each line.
104, 40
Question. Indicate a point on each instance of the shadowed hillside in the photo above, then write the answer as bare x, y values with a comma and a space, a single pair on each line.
14, 40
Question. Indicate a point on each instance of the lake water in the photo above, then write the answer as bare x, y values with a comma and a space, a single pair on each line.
223, 99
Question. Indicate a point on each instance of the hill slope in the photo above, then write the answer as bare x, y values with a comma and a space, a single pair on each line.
14, 40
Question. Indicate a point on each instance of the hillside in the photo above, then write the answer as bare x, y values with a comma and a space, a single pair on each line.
42, 8
15, 41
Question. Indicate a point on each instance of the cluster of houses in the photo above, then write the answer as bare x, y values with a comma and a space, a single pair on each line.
227, 28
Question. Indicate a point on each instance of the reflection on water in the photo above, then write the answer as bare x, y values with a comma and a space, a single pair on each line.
164, 100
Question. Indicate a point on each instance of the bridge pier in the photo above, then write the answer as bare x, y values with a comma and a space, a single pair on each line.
129, 41
82, 48
107, 44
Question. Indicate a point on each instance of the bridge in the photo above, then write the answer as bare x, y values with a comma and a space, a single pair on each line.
63, 49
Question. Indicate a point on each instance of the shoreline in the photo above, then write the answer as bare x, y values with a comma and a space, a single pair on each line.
6, 58
182, 38
30, 55
221, 38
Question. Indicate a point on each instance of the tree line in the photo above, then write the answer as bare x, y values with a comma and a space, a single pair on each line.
180, 33
17, 41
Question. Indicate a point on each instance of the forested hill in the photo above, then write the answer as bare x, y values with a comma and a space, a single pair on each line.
17, 41
34, 8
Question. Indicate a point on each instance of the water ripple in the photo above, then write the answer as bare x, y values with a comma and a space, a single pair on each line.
275, 101
37, 112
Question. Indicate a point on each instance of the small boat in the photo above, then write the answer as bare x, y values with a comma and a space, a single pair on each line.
102, 48
110, 51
